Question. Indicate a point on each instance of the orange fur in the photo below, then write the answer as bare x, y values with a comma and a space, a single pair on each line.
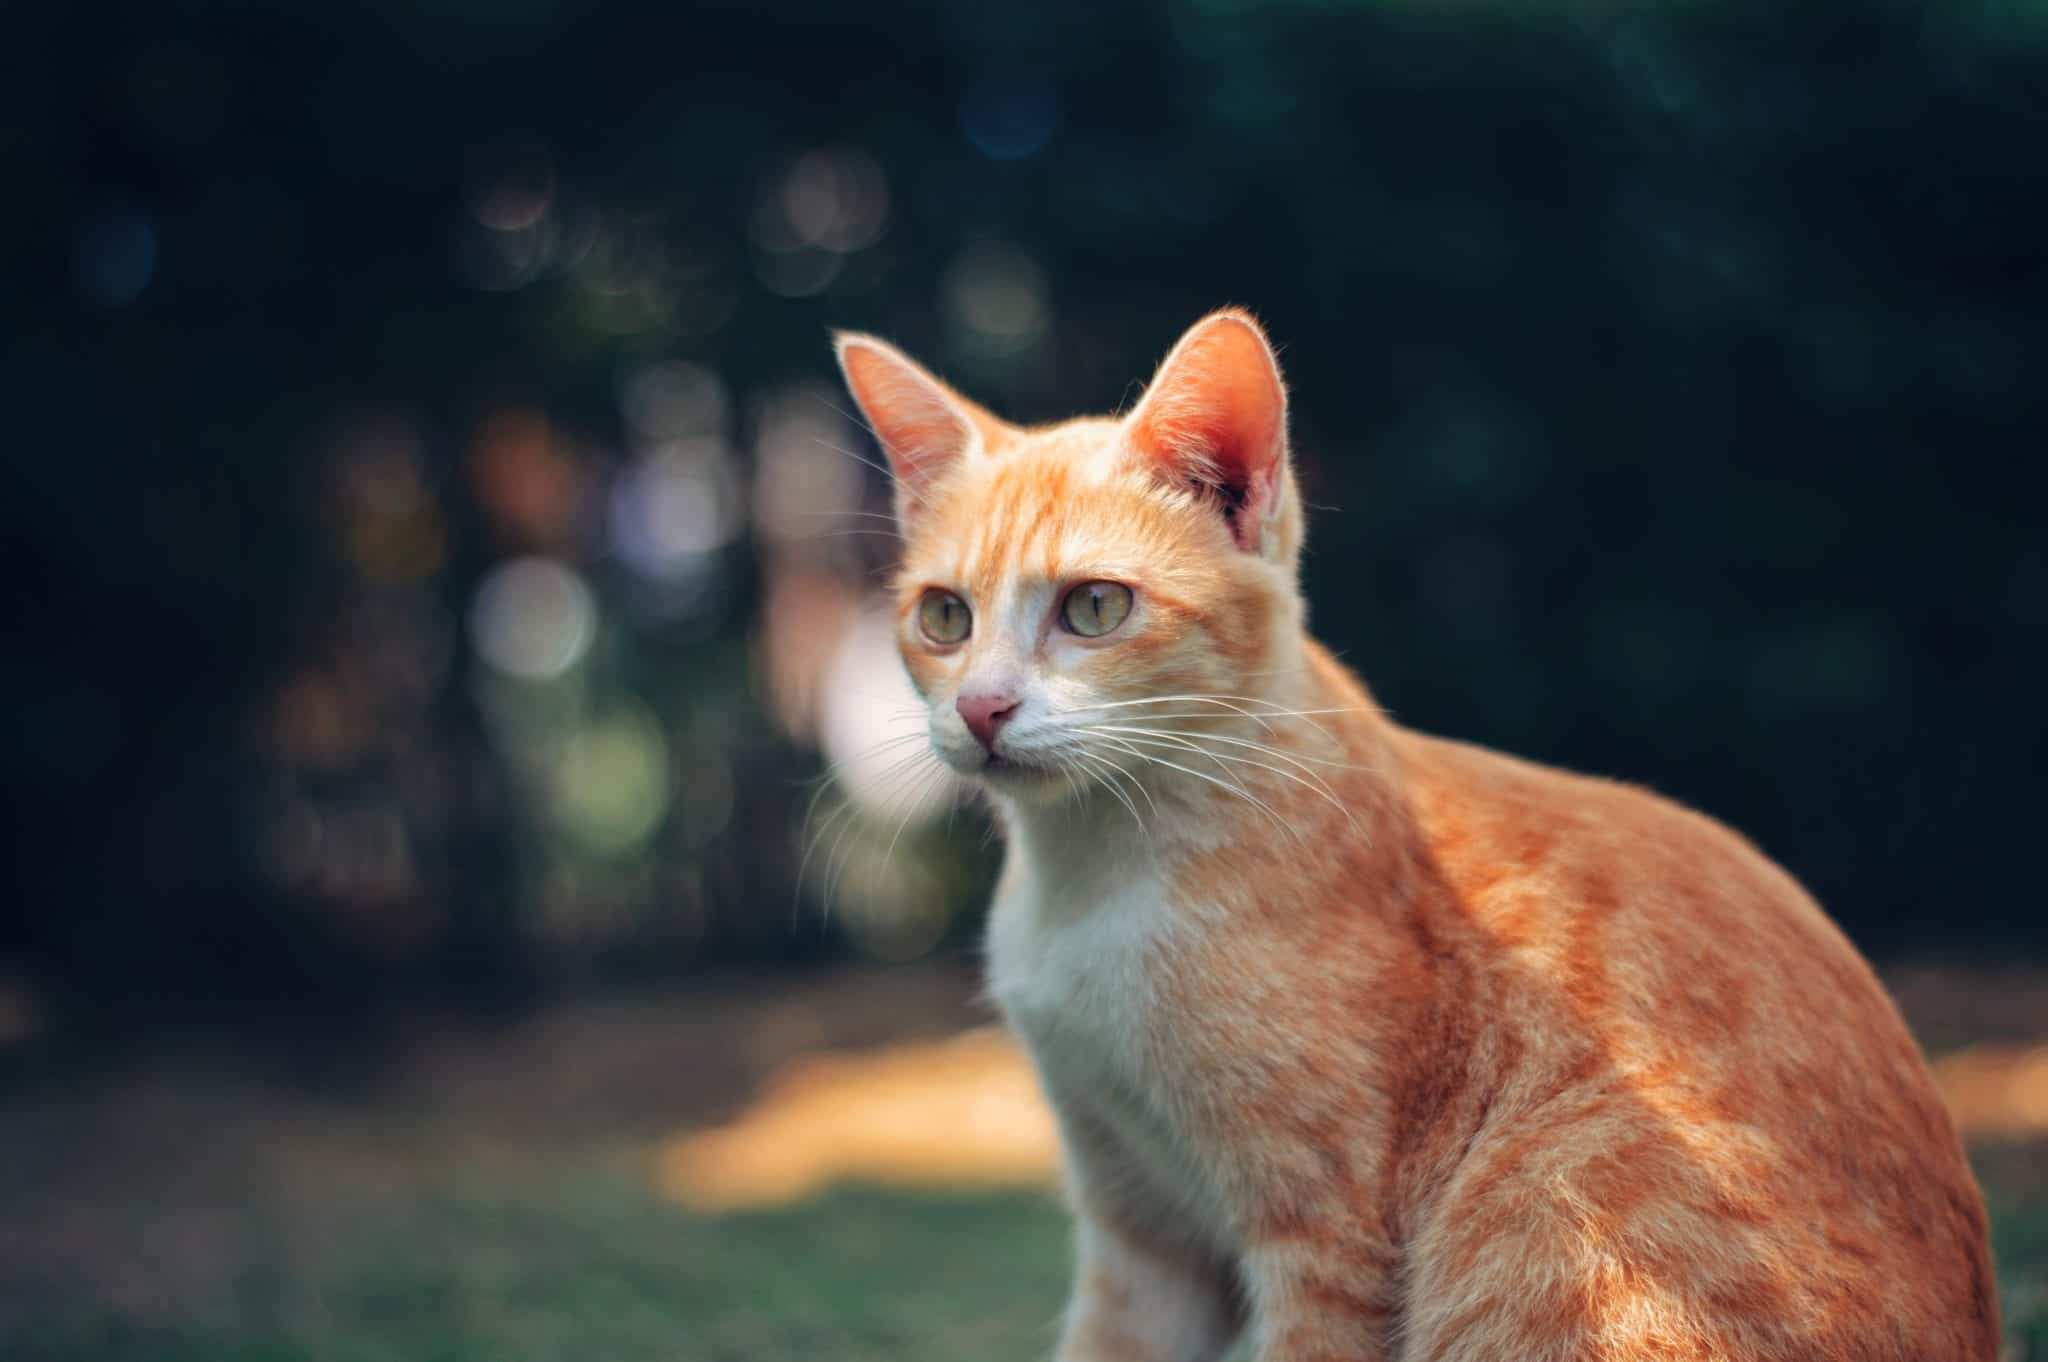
1379, 1045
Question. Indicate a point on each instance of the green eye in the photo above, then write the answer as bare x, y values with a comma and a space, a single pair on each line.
944, 617
1092, 609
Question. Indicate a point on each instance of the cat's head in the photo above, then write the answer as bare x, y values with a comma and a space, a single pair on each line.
1064, 582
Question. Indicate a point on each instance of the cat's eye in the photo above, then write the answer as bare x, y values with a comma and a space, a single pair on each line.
1092, 609
944, 617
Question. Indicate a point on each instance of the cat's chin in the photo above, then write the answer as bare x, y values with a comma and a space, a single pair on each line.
1019, 778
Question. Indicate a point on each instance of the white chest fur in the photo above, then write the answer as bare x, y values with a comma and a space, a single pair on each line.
1076, 953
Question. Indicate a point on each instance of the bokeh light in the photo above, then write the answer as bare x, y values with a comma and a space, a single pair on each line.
836, 198
996, 297
611, 781
512, 186
673, 508
672, 400
808, 486
865, 700
1008, 118
391, 524
528, 480
810, 216
533, 618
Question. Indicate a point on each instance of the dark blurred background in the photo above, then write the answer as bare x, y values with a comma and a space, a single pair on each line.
425, 532
416, 409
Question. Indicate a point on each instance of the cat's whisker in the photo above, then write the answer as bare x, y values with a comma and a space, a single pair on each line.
905, 795
1074, 778
1109, 783
866, 462
1270, 710
838, 816
836, 769
1224, 785
814, 832
1221, 703
1136, 784
852, 511
893, 739
1305, 764
1115, 776
863, 529
892, 698
815, 836
844, 816
853, 417
1164, 699
1185, 735
923, 786
1128, 736
1194, 743
841, 770
1152, 718
1315, 784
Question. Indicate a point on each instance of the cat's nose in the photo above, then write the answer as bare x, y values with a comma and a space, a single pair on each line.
986, 711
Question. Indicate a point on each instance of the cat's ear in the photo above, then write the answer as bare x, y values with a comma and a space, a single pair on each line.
924, 426
1215, 417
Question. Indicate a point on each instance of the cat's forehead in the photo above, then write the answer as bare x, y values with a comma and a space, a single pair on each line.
1083, 444
1045, 503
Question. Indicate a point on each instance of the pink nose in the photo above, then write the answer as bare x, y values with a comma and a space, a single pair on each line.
985, 712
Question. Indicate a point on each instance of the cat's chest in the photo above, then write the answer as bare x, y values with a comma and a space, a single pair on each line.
1077, 968
1087, 985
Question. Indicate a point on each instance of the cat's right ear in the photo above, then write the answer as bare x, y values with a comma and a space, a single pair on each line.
1215, 418
924, 426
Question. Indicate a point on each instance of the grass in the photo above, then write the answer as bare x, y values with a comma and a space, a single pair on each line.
593, 1267
2019, 1233
596, 1268
490, 1200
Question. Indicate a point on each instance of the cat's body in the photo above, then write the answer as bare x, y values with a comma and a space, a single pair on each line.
1378, 1045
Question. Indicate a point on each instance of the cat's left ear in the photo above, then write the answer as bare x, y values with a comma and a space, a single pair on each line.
924, 426
1215, 417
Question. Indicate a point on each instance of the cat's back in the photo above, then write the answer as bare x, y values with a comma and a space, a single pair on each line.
1616, 895
1700, 1079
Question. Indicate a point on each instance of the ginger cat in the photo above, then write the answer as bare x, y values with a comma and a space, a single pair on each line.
1367, 1043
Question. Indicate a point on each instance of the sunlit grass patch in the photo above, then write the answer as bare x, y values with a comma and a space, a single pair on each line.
962, 1112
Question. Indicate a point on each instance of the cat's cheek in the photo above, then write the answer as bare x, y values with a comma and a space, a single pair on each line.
1160, 656
930, 674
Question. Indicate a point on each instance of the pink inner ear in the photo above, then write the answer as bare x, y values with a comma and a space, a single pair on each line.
920, 426
1216, 416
